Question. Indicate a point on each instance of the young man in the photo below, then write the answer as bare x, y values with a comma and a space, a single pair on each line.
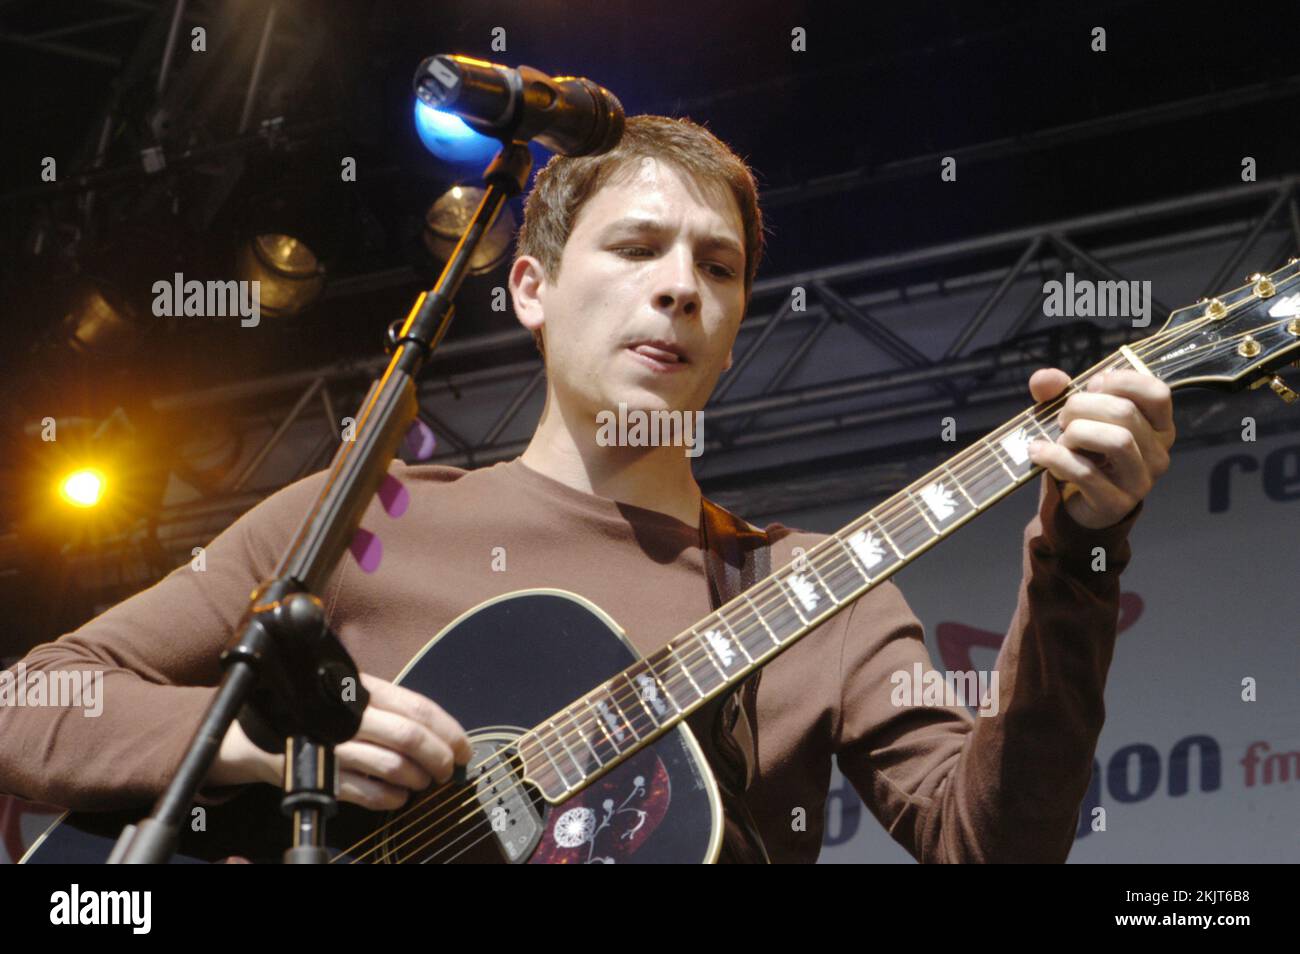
634, 271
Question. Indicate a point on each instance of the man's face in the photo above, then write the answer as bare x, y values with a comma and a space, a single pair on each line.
651, 258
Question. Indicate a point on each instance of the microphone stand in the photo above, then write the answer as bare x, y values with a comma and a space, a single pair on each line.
287, 676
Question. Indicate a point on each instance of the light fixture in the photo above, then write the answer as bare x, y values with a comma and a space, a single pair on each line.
290, 273
83, 488
447, 218
99, 322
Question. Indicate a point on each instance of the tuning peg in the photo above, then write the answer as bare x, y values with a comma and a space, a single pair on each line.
1263, 286
1281, 390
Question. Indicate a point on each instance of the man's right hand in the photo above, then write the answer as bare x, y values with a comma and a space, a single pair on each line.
405, 744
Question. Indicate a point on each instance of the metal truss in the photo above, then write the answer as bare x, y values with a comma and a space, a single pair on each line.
863, 373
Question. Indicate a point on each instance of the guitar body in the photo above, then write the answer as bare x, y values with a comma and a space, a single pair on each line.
502, 667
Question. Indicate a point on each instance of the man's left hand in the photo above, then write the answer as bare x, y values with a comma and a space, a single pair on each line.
1114, 443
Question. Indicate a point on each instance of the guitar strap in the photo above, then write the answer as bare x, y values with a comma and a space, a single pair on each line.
736, 555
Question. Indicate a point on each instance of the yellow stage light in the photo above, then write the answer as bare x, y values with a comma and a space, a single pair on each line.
83, 488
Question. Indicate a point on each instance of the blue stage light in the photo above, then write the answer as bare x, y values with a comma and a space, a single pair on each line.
447, 137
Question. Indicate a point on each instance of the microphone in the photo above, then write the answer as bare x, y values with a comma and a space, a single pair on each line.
566, 114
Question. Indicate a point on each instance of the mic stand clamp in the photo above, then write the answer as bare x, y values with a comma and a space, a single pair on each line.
308, 699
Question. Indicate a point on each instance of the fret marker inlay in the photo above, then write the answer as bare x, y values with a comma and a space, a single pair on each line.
720, 646
611, 720
867, 548
939, 499
650, 694
804, 589
1017, 446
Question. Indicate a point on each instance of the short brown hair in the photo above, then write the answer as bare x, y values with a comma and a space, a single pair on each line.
565, 184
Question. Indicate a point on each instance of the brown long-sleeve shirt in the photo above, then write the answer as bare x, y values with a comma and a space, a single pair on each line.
947, 786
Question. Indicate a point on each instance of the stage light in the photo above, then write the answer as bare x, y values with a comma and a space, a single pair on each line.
449, 138
290, 273
99, 322
447, 218
83, 488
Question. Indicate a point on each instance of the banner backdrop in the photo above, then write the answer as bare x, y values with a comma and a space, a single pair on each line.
1188, 767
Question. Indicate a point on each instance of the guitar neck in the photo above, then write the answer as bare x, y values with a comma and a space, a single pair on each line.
578, 744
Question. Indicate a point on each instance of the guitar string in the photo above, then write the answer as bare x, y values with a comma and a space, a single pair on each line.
954, 467
830, 574
674, 685
655, 724
1117, 364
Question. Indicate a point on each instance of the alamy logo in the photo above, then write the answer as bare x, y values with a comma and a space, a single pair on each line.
60, 689
1089, 299
103, 907
977, 689
179, 298
651, 429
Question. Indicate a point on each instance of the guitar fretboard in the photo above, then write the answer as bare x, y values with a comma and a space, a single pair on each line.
583, 741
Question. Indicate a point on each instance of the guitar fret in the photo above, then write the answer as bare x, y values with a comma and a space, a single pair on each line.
888, 539
583, 735
748, 631
639, 698
853, 558
709, 652
1015, 446
704, 670
783, 618
1042, 431
921, 510
984, 481
785, 591
686, 671
600, 724
948, 471
825, 586
734, 638
1001, 459
869, 547
613, 719
567, 751
542, 744
775, 640
624, 719
840, 578
655, 686
812, 587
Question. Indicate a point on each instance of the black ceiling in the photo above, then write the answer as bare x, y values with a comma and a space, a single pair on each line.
882, 91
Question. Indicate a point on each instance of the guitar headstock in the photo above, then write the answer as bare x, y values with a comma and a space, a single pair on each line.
1236, 339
